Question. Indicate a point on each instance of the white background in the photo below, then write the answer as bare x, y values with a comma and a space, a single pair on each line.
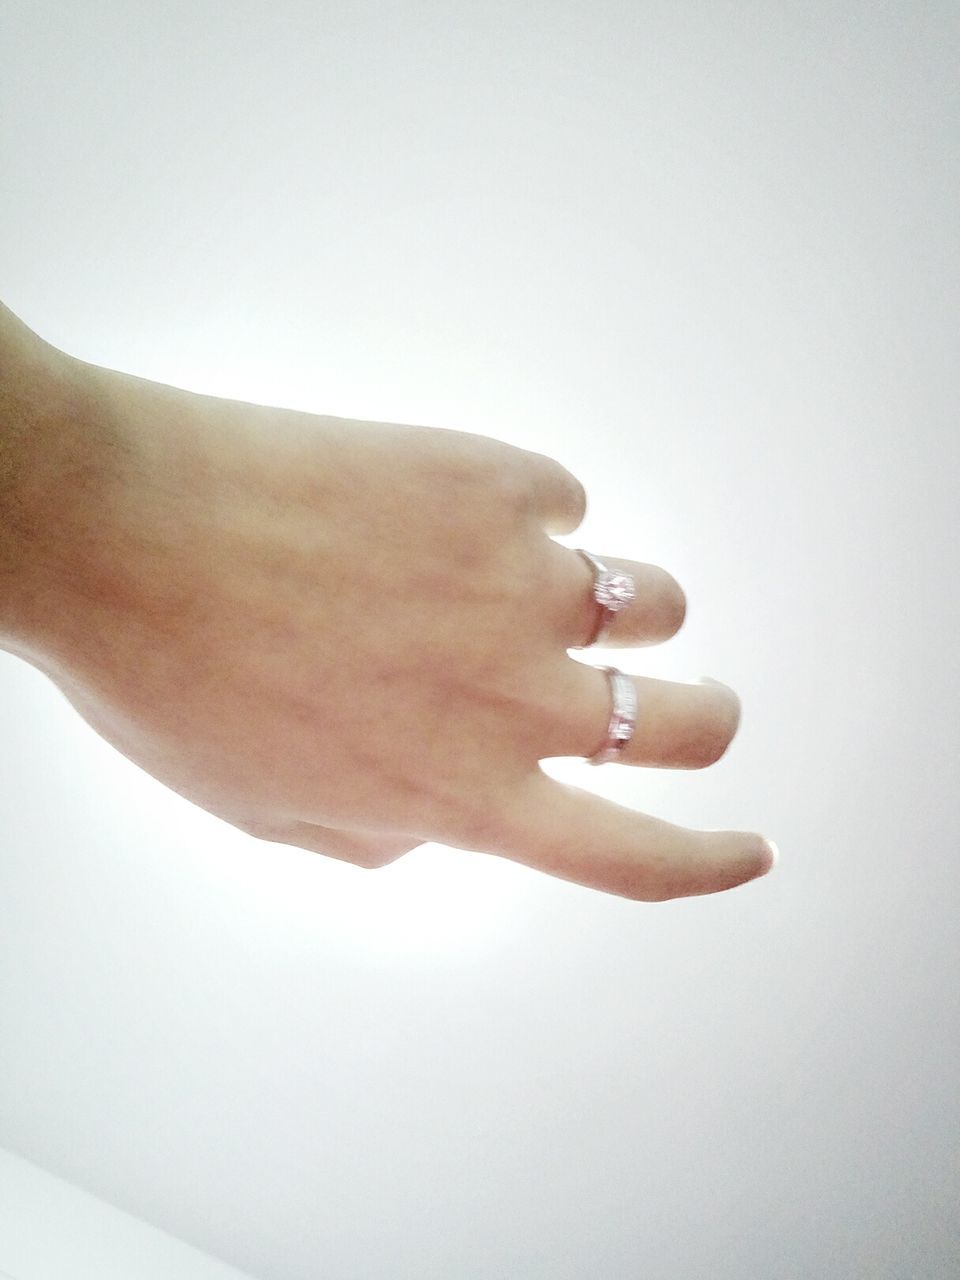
52, 1230
706, 255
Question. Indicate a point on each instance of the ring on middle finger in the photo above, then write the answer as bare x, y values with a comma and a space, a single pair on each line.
612, 592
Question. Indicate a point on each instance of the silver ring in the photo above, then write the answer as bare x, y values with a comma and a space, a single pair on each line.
612, 592
623, 717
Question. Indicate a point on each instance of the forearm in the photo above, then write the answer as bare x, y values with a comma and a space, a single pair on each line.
17, 391
40, 434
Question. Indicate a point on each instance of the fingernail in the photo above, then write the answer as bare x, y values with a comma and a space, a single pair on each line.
774, 854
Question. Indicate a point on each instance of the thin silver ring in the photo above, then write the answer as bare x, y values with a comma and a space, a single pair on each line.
612, 591
623, 716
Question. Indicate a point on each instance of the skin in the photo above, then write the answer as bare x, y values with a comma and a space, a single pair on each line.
322, 630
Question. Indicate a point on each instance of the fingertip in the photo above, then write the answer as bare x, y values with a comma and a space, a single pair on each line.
770, 856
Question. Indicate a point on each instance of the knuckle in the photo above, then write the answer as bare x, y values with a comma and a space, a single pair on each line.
369, 861
258, 828
375, 859
511, 484
481, 462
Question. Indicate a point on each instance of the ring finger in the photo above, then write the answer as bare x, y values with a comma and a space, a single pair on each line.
679, 726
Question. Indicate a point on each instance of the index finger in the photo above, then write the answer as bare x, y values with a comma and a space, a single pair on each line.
557, 498
578, 836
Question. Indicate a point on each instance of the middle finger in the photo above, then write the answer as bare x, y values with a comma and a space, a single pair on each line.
655, 614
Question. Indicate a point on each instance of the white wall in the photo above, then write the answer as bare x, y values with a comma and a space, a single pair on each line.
50, 1230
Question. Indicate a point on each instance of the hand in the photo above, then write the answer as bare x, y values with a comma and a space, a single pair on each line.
352, 637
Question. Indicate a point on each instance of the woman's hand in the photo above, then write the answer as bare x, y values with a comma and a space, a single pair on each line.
352, 637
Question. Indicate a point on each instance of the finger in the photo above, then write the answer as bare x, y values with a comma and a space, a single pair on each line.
578, 836
656, 613
368, 850
679, 726
557, 498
